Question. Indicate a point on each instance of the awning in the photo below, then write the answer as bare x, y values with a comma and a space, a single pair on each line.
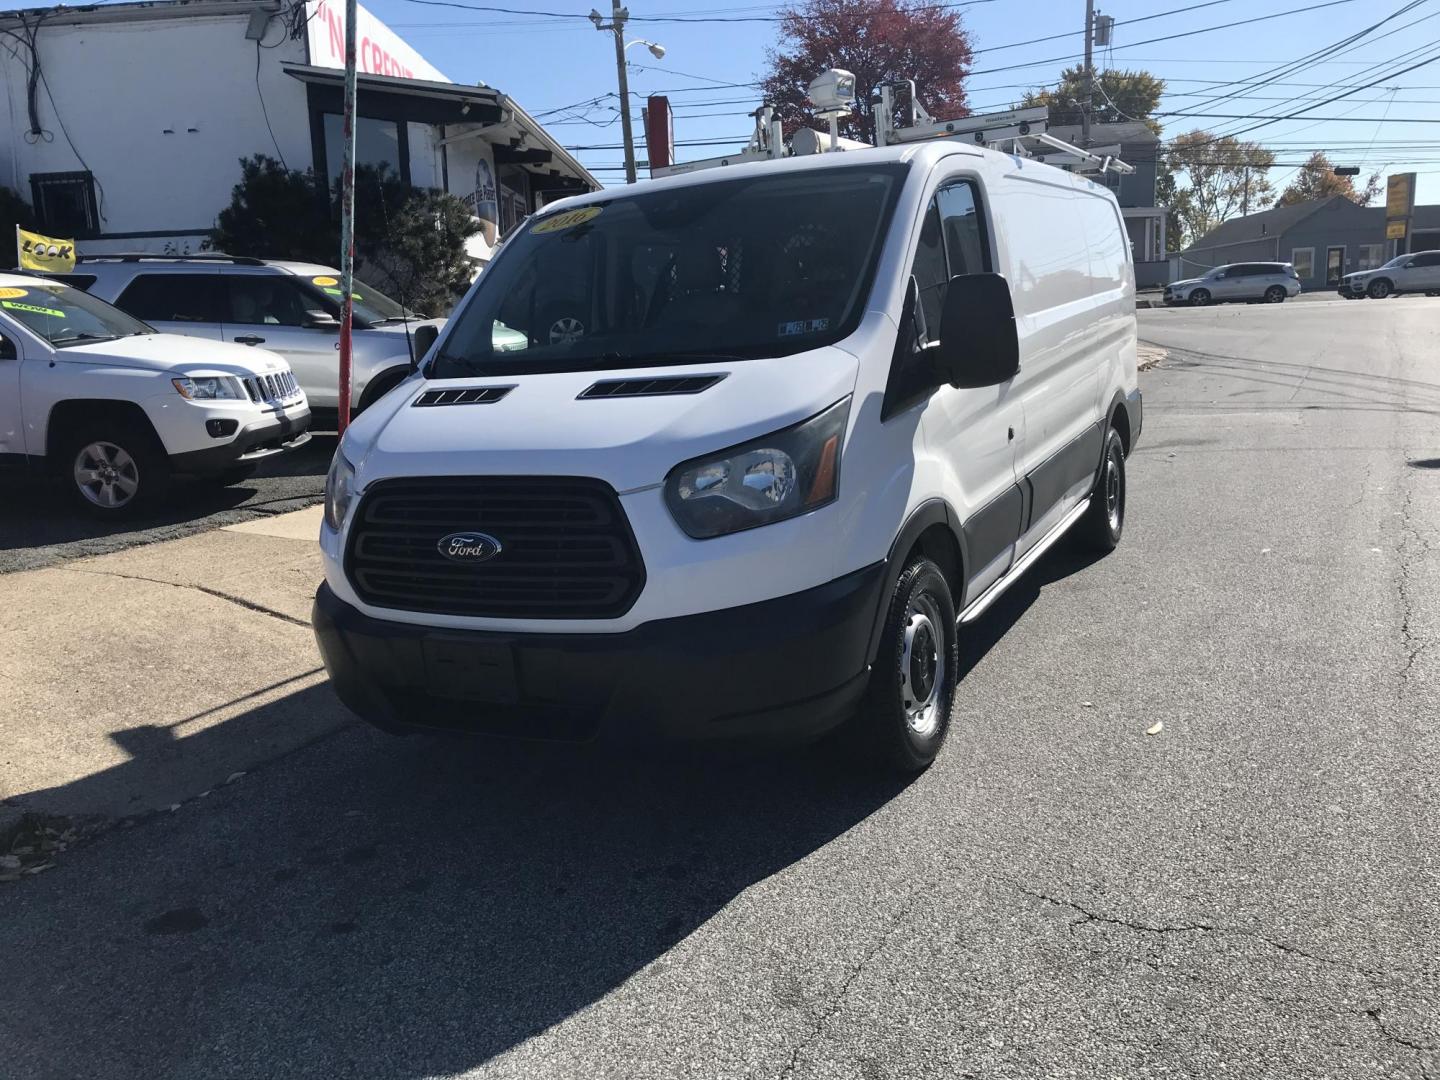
454, 103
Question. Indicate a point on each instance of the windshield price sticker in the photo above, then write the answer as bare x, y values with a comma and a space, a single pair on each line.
10, 305
568, 220
325, 282
13, 294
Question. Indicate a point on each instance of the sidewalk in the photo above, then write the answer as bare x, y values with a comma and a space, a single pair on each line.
134, 681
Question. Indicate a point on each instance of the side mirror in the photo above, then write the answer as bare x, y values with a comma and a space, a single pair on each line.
7, 349
321, 320
979, 345
421, 340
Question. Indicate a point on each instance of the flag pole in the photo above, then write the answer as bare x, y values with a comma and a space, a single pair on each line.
347, 216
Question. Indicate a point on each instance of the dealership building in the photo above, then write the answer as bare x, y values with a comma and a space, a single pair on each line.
127, 122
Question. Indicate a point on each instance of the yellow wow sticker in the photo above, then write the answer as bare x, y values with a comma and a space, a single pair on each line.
568, 220
325, 282
13, 294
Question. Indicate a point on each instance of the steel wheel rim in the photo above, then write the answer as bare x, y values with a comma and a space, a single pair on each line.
565, 330
922, 666
106, 475
1276, 295
1200, 299
1114, 492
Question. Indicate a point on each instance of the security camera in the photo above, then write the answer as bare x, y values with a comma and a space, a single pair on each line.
832, 92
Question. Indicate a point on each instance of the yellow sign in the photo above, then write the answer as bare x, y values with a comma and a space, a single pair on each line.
325, 282
1399, 195
568, 220
43, 253
13, 294
1395, 230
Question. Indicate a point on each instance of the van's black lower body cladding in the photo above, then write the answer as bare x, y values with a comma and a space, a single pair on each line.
787, 668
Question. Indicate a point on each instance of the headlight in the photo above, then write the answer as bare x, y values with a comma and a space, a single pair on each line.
766, 480
340, 491
210, 388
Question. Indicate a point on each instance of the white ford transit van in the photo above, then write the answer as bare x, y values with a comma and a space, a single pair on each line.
823, 411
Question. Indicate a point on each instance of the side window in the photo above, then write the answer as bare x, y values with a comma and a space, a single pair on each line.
1430, 259
265, 300
930, 273
965, 241
193, 298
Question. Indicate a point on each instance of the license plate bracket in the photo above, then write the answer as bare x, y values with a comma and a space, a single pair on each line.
465, 671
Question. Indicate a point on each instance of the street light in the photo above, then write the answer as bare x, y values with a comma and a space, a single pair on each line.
618, 17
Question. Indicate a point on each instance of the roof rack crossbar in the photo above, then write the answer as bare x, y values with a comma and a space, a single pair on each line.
199, 256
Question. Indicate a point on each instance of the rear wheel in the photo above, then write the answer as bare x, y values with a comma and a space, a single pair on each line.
1380, 289
1200, 297
1104, 521
905, 715
113, 469
1275, 294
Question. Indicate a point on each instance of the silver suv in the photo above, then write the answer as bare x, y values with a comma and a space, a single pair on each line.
290, 308
1417, 272
1271, 282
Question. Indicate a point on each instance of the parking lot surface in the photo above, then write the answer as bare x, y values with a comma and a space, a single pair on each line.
1252, 891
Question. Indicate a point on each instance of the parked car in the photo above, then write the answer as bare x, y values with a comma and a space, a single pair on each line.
1417, 272
291, 308
818, 413
114, 408
1270, 282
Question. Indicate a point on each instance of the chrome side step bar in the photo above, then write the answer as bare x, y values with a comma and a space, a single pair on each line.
990, 595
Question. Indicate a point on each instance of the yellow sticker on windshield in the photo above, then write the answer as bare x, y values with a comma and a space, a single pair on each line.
325, 282
568, 220
13, 294
10, 305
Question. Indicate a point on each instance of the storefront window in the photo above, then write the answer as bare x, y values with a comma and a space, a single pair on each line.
377, 142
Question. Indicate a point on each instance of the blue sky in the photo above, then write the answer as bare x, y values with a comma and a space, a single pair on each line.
547, 64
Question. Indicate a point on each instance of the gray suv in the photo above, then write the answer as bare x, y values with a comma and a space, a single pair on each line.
1270, 282
290, 308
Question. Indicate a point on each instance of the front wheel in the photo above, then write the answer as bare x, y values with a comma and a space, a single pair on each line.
115, 469
1200, 297
905, 715
1379, 290
1275, 294
1104, 521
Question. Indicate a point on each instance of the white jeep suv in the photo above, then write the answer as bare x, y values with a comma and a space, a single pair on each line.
113, 408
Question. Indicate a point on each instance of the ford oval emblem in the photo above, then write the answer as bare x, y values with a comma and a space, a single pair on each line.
469, 547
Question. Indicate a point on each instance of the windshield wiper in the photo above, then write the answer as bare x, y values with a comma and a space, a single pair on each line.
81, 337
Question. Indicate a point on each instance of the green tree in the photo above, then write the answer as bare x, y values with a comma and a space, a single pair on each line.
409, 242
878, 41
1223, 177
14, 211
1317, 180
1120, 96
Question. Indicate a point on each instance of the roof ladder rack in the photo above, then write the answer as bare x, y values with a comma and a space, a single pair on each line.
767, 142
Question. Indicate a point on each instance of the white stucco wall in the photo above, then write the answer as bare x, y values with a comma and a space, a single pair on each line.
130, 95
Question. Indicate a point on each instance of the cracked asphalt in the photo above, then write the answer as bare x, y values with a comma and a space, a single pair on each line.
1252, 892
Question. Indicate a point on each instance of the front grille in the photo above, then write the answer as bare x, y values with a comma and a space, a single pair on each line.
566, 548
271, 388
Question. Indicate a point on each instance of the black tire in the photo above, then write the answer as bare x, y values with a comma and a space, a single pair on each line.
378, 387
1104, 521
1275, 294
1379, 289
919, 654
135, 474
238, 475
1200, 298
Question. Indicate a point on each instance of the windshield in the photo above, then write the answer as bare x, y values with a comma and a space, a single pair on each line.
762, 266
370, 304
64, 316
1397, 261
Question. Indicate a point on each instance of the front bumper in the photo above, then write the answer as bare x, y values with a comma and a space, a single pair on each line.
783, 669
1350, 289
254, 443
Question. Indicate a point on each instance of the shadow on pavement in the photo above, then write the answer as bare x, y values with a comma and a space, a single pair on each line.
40, 512
393, 907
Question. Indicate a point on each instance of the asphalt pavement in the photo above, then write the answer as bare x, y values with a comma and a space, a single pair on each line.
1254, 891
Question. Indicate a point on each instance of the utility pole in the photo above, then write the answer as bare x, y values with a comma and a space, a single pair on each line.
1245, 198
1089, 103
347, 216
618, 17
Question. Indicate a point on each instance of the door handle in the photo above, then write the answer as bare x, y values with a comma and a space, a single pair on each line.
249, 339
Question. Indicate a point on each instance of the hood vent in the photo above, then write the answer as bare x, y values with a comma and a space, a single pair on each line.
657, 387
470, 395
